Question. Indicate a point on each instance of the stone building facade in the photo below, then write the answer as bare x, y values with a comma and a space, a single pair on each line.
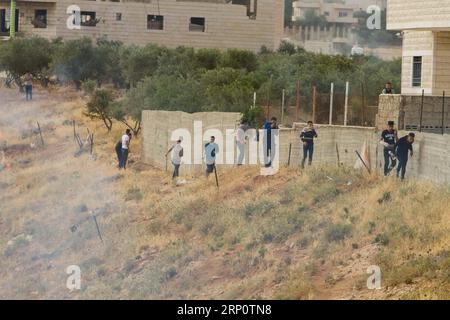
425, 28
223, 24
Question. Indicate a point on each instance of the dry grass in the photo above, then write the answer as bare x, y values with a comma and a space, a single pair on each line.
297, 235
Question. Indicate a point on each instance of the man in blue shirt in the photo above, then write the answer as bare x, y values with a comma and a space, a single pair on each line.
211, 150
402, 147
269, 153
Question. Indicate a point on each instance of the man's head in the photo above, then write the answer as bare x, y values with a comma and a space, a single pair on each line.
310, 124
388, 85
410, 137
273, 120
128, 132
391, 125
179, 141
213, 139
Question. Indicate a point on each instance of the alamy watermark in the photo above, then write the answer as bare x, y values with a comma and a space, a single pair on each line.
374, 280
74, 279
256, 146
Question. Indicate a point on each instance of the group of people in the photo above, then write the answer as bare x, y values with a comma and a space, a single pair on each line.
396, 150
211, 148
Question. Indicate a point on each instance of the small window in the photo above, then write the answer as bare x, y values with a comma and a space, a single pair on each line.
88, 19
197, 24
118, 16
40, 19
417, 72
155, 22
343, 14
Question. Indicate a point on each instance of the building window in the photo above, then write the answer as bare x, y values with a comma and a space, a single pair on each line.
40, 19
343, 14
155, 22
417, 72
88, 19
197, 24
118, 16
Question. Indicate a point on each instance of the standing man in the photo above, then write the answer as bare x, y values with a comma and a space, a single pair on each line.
28, 86
125, 149
388, 138
401, 149
388, 89
240, 141
307, 136
270, 153
211, 149
177, 154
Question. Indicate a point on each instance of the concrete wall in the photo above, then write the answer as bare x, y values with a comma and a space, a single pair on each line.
158, 126
227, 25
431, 160
405, 111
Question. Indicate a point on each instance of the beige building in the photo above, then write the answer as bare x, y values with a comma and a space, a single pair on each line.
425, 26
244, 24
334, 37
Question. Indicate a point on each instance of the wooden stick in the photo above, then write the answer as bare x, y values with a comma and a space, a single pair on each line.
289, 157
40, 133
80, 142
74, 131
92, 143
215, 173
98, 229
365, 165
338, 157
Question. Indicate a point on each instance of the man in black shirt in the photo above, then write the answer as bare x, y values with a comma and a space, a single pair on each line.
401, 150
307, 136
388, 138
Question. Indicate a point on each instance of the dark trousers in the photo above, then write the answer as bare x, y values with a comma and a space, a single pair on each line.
123, 159
209, 169
176, 170
401, 168
388, 166
308, 152
29, 92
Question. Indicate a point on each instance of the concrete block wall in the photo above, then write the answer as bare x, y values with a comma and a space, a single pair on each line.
405, 111
158, 126
431, 160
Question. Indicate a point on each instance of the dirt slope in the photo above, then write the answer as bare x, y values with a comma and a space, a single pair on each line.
298, 235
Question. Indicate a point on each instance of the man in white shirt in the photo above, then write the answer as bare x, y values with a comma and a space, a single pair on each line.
240, 141
177, 154
211, 149
125, 148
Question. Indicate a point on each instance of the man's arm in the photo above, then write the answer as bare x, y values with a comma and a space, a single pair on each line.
171, 148
411, 151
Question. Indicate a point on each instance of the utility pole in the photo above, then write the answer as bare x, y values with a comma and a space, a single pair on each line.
331, 104
12, 19
346, 103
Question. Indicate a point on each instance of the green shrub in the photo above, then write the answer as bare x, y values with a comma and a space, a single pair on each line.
338, 232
